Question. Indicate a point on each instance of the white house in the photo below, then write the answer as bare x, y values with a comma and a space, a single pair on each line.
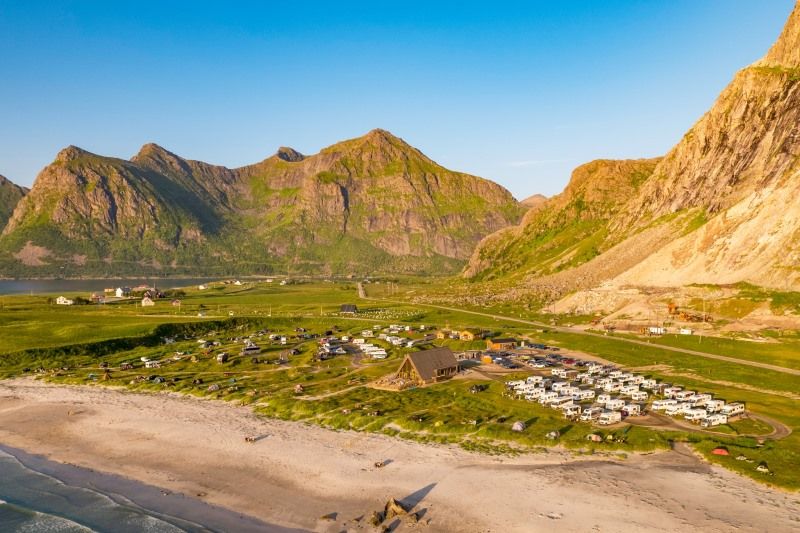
147, 302
64, 301
122, 292
686, 331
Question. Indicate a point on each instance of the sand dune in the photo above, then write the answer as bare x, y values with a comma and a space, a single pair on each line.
294, 474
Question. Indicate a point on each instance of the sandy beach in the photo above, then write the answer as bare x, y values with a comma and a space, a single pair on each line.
295, 473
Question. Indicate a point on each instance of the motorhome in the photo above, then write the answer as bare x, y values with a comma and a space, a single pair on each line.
695, 415
660, 405
561, 402
678, 409
609, 417
632, 409
591, 413
639, 396
733, 409
547, 397
615, 404
712, 420
583, 394
684, 395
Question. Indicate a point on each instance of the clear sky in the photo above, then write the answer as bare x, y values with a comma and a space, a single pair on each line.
517, 92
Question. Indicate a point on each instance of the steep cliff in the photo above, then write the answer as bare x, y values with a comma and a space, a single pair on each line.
723, 206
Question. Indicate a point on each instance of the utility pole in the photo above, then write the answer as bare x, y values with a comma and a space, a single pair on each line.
704, 319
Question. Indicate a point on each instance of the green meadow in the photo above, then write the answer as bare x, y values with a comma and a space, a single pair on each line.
72, 344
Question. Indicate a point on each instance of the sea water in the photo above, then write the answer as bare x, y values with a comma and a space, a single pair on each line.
37, 495
55, 286
34, 501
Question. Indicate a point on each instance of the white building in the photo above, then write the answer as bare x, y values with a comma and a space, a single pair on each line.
64, 301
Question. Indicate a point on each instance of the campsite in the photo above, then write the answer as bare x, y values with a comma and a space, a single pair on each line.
285, 357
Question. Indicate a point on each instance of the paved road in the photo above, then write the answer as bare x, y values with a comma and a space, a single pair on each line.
577, 331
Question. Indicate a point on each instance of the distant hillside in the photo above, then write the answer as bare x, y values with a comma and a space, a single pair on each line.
566, 230
371, 204
723, 206
534, 202
10, 195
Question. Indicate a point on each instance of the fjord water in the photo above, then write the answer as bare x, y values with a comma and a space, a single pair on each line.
53, 286
44, 496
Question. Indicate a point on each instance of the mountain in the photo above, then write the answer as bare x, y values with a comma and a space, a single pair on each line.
566, 230
370, 204
534, 202
10, 195
723, 206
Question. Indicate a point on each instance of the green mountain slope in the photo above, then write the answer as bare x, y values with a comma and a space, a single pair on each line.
566, 231
371, 204
10, 195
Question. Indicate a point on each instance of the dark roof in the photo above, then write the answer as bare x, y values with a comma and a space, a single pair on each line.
503, 340
348, 308
427, 362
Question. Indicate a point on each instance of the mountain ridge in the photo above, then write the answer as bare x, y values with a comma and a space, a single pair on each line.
372, 203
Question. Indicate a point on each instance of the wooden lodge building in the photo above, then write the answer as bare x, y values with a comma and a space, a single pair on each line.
428, 366
499, 344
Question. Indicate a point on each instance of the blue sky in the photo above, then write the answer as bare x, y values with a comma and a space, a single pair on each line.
520, 93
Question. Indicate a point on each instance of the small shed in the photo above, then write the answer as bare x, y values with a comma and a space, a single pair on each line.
429, 366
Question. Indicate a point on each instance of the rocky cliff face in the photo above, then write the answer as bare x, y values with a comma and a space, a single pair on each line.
738, 169
721, 207
10, 195
369, 204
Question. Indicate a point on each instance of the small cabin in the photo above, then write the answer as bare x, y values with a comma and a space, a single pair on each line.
470, 334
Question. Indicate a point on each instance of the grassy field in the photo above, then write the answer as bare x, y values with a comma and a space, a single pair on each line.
335, 392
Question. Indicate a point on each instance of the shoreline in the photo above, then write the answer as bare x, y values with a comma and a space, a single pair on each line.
180, 510
297, 473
